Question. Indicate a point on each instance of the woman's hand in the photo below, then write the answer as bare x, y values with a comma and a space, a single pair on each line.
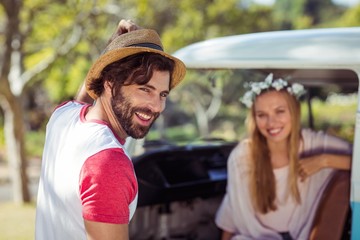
311, 165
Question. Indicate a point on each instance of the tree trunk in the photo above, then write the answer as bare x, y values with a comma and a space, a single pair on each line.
11, 103
14, 136
201, 119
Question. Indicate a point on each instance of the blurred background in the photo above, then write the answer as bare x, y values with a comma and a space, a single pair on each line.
48, 46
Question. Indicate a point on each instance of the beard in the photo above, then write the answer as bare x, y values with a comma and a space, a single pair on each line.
124, 112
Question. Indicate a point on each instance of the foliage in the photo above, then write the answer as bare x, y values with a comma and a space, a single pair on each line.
44, 38
34, 143
183, 22
302, 14
177, 134
335, 115
351, 18
2, 138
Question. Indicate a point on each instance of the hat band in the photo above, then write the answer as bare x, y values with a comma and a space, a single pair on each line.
148, 45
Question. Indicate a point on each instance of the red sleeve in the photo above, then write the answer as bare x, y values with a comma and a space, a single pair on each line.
107, 187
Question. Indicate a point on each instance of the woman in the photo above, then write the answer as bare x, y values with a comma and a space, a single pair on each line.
277, 175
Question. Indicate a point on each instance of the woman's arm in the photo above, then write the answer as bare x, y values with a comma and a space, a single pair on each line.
311, 165
323, 151
342, 162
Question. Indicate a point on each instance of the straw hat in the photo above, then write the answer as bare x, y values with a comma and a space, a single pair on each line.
142, 40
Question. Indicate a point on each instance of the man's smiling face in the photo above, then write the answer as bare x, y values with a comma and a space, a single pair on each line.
136, 107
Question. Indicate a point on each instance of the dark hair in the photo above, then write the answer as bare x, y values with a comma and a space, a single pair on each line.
134, 69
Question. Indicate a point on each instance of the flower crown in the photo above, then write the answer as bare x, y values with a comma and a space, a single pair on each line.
256, 88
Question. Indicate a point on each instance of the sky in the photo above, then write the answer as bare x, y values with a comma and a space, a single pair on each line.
341, 2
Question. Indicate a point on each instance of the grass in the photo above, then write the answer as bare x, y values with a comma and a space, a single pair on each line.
17, 221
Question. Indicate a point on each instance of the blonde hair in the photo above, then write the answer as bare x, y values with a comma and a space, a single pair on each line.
262, 180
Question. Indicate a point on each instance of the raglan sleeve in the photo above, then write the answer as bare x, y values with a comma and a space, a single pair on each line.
321, 142
107, 187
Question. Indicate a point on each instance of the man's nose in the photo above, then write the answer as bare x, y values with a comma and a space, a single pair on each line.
156, 104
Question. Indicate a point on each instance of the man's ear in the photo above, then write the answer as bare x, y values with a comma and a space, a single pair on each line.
108, 87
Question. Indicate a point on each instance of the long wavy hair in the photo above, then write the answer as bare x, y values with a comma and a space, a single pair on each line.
262, 180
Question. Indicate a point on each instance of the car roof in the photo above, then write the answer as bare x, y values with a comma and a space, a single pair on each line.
310, 48
313, 57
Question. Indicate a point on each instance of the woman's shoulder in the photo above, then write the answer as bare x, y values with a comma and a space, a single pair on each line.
321, 140
308, 132
242, 148
240, 154
317, 135
313, 135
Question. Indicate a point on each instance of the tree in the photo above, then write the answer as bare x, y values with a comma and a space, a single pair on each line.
37, 36
351, 18
10, 101
183, 22
302, 14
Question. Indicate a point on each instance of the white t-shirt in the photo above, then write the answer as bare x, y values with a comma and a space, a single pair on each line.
85, 174
279, 220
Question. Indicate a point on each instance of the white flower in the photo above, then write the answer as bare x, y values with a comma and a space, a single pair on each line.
289, 89
298, 89
248, 99
264, 85
269, 79
279, 84
256, 88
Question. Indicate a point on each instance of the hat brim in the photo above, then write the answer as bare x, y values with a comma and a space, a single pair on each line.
115, 55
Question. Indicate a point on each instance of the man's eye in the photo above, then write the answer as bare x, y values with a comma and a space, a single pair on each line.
145, 89
164, 95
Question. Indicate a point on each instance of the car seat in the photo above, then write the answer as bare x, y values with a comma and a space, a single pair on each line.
331, 219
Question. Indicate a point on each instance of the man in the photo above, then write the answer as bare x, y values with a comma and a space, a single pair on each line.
87, 187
